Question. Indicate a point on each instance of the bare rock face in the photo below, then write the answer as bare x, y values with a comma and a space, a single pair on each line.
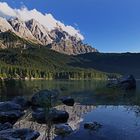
20, 28
56, 39
67, 44
4, 25
39, 31
71, 48
2, 46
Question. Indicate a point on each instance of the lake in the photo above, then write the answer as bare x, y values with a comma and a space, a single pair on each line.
118, 111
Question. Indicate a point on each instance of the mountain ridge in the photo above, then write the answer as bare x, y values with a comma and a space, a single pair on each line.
57, 39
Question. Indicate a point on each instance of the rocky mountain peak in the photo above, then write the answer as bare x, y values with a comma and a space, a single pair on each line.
57, 39
20, 28
4, 25
39, 31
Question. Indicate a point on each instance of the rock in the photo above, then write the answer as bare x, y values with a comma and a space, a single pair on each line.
126, 83
39, 115
67, 101
55, 116
39, 32
8, 106
22, 101
92, 125
62, 129
4, 25
20, 28
58, 116
44, 98
58, 38
112, 84
5, 126
10, 112
19, 134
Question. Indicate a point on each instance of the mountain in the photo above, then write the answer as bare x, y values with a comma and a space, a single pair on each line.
43, 63
21, 29
4, 25
67, 44
56, 39
71, 47
9, 39
123, 63
39, 32
22, 58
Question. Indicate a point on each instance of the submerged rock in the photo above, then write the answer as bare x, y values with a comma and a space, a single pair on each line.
55, 116
92, 125
10, 112
62, 129
5, 126
44, 98
67, 101
22, 101
126, 83
19, 134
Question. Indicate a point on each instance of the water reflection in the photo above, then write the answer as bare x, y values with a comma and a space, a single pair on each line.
119, 123
117, 110
76, 114
84, 92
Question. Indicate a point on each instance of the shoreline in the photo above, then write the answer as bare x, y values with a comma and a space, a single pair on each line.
37, 79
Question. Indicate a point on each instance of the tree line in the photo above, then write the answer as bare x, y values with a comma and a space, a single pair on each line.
17, 72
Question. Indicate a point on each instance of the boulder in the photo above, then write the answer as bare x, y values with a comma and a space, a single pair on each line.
62, 129
53, 115
58, 116
44, 98
22, 101
126, 83
5, 126
8, 106
10, 112
18, 134
92, 125
67, 101
40, 115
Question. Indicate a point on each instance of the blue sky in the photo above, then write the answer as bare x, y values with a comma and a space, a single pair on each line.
108, 25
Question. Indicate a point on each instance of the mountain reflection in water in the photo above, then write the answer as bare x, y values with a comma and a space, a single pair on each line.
116, 110
119, 123
76, 114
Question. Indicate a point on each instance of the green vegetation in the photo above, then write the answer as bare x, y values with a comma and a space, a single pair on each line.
43, 63
23, 59
123, 63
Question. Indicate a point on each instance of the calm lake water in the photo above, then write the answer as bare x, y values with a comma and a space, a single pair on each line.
118, 111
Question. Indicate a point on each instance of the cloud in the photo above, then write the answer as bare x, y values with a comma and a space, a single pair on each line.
45, 19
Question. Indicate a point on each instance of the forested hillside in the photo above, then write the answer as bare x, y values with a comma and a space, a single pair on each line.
44, 63
123, 63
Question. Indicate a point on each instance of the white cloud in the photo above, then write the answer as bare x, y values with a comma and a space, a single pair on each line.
45, 19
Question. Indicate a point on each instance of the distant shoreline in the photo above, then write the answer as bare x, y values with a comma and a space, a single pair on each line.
36, 79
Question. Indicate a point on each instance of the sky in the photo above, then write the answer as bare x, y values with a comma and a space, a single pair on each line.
108, 25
